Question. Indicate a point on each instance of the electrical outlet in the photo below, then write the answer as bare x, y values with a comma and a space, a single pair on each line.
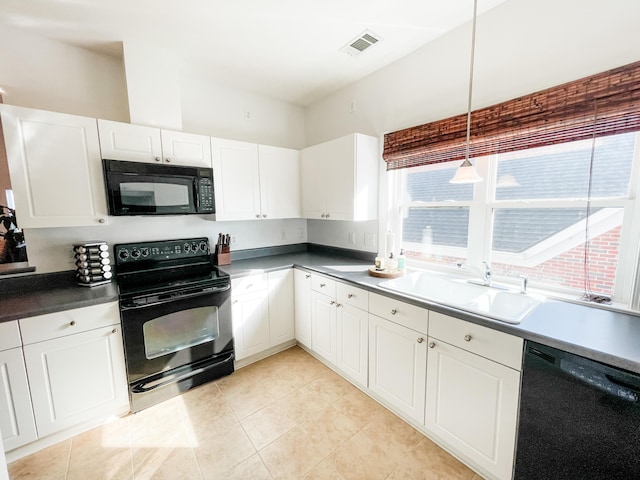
370, 239
234, 239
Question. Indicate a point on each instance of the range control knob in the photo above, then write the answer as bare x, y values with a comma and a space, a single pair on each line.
144, 251
203, 246
123, 254
187, 247
135, 253
194, 247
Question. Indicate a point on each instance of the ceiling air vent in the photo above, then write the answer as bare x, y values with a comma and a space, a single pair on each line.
359, 44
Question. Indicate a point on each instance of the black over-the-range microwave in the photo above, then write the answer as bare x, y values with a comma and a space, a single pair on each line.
137, 188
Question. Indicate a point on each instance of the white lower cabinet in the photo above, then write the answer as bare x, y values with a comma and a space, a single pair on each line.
250, 314
323, 326
262, 312
76, 378
472, 401
302, 306
16, 416
352, 338
398, 366
281, 322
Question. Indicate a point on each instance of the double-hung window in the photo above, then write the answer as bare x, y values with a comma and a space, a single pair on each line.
558, 205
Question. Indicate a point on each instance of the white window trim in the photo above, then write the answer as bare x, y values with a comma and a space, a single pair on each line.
627, 281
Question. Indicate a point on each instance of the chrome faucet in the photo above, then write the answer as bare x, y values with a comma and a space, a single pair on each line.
486, 275
523, 283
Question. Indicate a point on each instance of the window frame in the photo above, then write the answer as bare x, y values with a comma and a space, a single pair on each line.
626, 294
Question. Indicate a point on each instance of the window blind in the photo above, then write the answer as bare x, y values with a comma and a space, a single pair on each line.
607, 103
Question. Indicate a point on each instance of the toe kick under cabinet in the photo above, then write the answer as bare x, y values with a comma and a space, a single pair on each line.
75, 368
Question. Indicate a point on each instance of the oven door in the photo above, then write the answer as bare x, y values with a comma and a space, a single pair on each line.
175, 336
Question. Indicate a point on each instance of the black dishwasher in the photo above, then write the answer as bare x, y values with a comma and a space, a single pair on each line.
579, 419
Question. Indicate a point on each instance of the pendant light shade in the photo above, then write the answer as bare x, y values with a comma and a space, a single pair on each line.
466, 172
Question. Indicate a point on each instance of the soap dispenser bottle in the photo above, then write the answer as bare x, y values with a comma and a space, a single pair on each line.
392, 263
402, 261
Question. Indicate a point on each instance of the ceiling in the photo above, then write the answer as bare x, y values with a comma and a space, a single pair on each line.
283, 49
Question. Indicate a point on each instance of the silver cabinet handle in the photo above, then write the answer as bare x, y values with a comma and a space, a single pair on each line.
115, 330
327, 216
257, 215
332, 302
467, 338
168, 160
72, 323
234, 302
338, 305
394, 311
322, 216
322, 285
432, 344
157, 159
307, 276
420, 339
101, 220
350, 295
264, 215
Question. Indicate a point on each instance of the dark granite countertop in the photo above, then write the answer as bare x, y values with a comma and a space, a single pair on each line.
607, 336
28, 296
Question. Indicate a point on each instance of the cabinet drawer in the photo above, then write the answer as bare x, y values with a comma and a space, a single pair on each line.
492, 344
399, 312
68, 322
9, 335
324, 285
250, 284
354, 296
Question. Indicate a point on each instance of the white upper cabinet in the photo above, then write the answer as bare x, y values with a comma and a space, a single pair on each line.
236, 179
138, 143
254, 181
55, 167
339, 179
279, 182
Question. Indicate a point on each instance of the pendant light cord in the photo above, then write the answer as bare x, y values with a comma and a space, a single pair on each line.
471, 63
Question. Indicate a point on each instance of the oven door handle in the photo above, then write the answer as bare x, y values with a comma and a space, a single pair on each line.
128, 306
141, 386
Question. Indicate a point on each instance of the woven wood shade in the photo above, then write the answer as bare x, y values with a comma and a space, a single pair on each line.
605, 104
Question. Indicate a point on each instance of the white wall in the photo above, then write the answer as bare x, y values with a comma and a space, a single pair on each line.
50, 249
217, 110
40, 73
522, 46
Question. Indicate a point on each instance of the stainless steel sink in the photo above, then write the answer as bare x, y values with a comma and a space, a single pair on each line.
499, 304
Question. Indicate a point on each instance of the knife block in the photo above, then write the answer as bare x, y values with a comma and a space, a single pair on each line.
222, 258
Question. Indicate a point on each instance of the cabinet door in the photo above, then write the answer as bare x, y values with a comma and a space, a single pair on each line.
302, 287
323, 326
180, 148
133, 143
313, 181
250, 315
398, 366
472, 405
16, 417
281, 323
76, 378
279, 182
55, 167
236, 179
340, 164
352, 340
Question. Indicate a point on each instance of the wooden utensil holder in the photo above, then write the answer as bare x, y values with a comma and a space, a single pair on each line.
223, 258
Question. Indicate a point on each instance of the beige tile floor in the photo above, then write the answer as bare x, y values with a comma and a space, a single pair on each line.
285, 417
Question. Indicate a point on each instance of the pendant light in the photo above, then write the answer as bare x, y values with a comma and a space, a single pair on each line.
466, 172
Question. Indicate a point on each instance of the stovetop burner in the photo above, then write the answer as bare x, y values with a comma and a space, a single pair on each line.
162, 266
